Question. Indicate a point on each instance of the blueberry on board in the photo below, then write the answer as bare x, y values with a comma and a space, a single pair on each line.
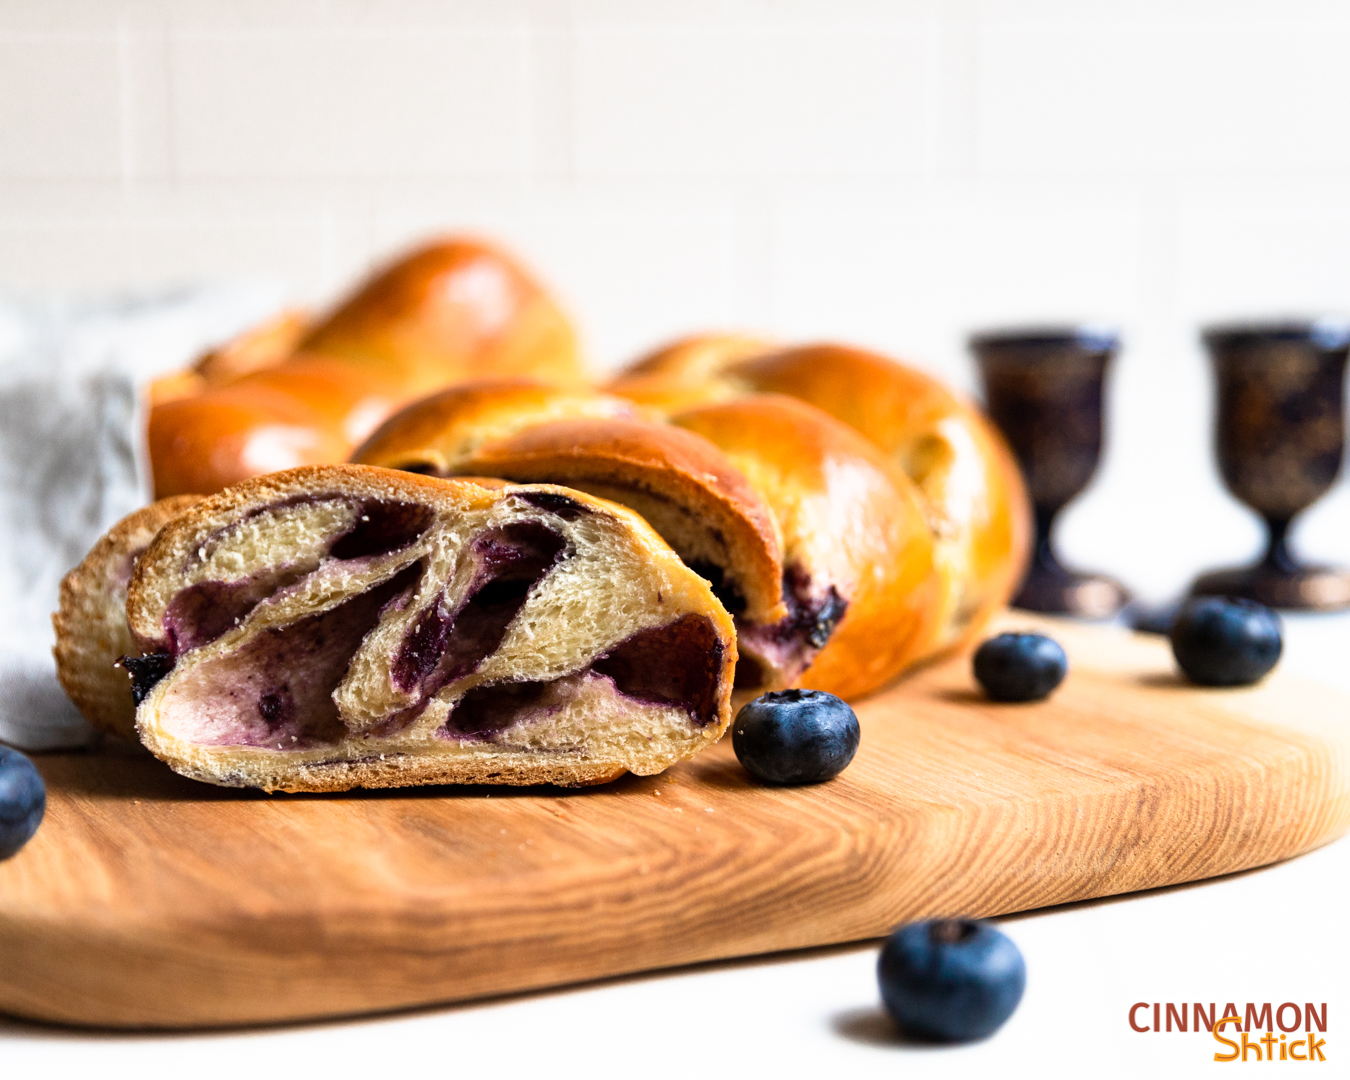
950, 979
1223, 641
795, 736
1020, 667
23, 798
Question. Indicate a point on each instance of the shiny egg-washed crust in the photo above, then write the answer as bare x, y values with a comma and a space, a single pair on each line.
977, 502
91, 619
698, 357
678, 481
262, 346
978, 505
850, 521
307, 411
451, 310
292, 393
270, 342
438, 434
686, 372
160, 574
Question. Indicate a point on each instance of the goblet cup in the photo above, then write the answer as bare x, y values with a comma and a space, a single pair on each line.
1043, 388
1279, 437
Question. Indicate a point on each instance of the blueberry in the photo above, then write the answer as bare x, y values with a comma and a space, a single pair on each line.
23, 798
1222, 641
950, 979
795, 736
1020, 667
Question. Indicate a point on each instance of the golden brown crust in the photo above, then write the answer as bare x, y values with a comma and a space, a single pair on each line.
204, 443
351, 402
851, 522
290, 393
269, 343
437, 434
680, 482
688, 372
451, 310
979, 509
91, 619
698, 357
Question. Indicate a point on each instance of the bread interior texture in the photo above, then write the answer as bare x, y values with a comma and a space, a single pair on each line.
328, 639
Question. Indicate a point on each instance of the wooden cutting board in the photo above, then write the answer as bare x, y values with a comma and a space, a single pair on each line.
150, 900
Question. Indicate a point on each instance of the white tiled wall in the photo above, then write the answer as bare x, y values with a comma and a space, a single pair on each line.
894, 172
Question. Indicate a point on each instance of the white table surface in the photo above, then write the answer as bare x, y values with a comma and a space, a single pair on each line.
1276, 934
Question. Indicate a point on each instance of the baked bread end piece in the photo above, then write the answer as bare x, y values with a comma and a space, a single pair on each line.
340, 626
91, 619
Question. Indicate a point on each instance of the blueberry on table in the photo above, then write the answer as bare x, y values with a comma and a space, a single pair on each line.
795, 736
950, 979
1020, 667
23, 798
1224, 641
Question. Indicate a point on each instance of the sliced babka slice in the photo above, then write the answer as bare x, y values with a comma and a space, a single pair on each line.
339, 626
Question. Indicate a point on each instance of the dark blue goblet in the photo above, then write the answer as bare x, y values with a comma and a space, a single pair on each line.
1279, 437
1044, 390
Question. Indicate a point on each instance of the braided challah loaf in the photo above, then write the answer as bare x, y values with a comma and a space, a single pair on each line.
519, 580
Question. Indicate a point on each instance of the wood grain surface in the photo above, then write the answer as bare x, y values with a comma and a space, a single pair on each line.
148, 900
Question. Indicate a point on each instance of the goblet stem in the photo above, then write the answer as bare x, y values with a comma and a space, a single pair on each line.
1278, 557
1045, 558
1050, 587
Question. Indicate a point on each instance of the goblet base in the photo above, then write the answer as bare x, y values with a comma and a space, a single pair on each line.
1063, 592
1300, 588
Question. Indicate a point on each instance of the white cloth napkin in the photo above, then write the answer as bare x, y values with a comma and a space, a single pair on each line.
71, 460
